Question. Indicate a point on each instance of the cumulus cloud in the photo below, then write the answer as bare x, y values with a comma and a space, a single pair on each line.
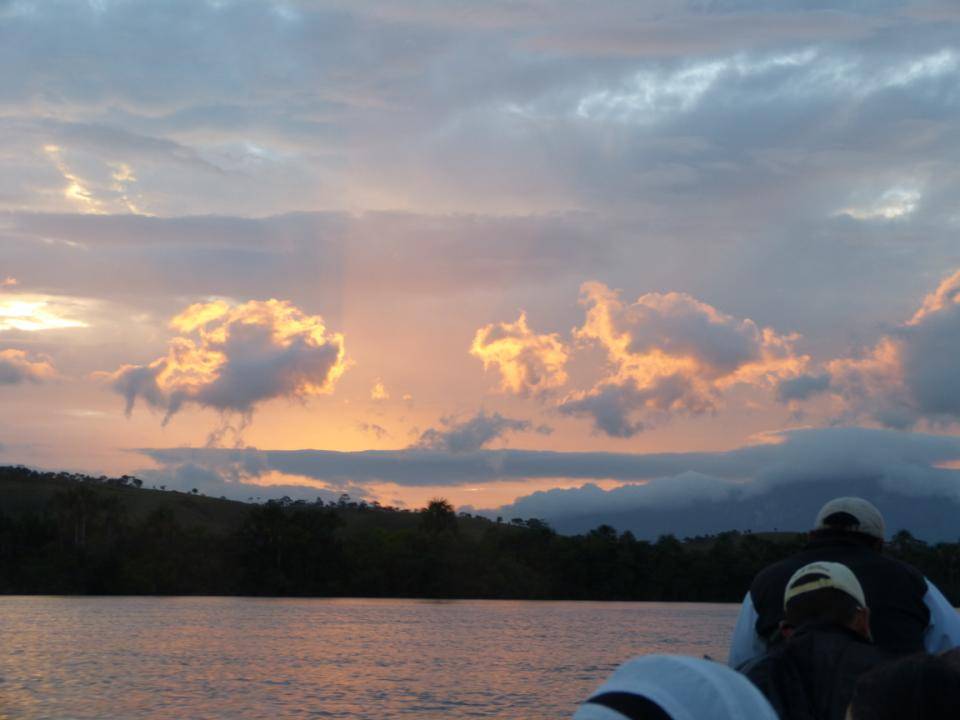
472, 434
18, 366
528, 363
908, 376
230, 358
671, 353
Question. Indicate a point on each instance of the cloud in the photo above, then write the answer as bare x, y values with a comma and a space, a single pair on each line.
377, 431
379, 391
892, 204
528, 363
8, 282
230, 358
671, 353
908, 376
470, 435
912, 462
777, 483
237, 483
765, 488
17, 366
802, 387
31, 313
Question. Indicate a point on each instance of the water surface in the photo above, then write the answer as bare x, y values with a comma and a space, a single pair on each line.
82, 657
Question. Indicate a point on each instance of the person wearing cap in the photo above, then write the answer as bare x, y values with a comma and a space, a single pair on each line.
675, 687
827, 645
908, 612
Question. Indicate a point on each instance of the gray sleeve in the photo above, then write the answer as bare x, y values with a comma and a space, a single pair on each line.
745, 643
943, 632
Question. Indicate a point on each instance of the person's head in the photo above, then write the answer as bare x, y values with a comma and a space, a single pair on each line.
852, 518
917, 687
674, 687
825, 592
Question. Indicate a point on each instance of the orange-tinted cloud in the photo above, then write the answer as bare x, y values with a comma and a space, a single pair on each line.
529, 364
911, 373
231, 357
17, 366
379, 391
671, 353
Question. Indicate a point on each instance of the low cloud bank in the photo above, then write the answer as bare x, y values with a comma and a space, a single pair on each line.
683, 487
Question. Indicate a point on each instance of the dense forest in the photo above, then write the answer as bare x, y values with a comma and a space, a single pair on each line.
63, 533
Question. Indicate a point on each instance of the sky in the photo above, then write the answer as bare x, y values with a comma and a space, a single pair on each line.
528, 256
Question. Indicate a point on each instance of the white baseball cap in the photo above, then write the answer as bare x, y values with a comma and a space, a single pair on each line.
820, 575
866, 518
685, 688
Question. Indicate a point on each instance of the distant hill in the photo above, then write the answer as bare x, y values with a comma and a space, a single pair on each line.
23, 490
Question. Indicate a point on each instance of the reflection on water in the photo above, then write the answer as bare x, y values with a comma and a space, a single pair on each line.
256, 658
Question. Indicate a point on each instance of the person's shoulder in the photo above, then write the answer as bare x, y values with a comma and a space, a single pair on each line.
779, 572
900, 566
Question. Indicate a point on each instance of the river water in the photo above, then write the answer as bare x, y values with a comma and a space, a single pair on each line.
82, 657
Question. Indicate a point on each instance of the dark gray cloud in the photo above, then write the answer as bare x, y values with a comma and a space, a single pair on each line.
567, 107
802, 387
306, 257
471, 434
908, 377
907, 461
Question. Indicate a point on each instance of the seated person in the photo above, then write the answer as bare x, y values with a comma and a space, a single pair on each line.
908, 613
673, 687
917, 687
827, 645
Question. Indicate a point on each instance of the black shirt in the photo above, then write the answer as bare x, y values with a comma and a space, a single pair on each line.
894, 592
812, 675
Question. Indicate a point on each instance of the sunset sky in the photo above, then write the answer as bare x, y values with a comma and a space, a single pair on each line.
515, 254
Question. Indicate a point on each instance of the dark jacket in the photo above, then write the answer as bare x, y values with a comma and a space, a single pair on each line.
811, 676
894, 592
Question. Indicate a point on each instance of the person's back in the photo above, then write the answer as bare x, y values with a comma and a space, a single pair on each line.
908, 612
894, 590
811, 674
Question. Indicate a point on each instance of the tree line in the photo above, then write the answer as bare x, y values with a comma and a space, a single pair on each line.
84, 539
